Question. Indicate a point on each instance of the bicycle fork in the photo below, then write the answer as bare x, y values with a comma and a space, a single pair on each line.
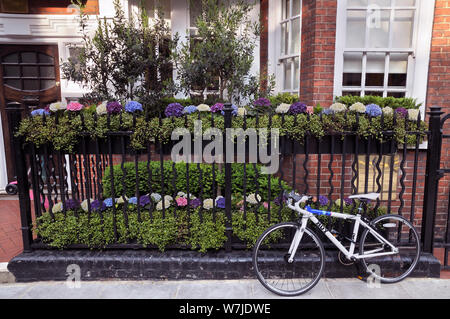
297, 238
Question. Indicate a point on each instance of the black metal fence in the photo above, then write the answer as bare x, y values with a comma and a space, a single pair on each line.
122, 191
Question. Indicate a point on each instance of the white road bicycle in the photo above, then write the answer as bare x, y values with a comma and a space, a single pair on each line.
289, 258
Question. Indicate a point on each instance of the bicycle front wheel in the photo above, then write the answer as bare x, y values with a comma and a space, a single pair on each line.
270, 260
400, 233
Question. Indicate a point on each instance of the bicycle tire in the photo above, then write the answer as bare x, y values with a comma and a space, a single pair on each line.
260, 254
412, 249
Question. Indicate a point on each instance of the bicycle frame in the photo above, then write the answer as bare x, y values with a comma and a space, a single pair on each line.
309, 214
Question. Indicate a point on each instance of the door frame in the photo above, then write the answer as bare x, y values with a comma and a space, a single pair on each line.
6, 48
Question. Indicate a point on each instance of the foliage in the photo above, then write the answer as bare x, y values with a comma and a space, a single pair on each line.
222, 51
394, 103
124, 59
201, 179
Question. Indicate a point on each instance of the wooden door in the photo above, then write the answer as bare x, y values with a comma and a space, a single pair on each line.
29, 79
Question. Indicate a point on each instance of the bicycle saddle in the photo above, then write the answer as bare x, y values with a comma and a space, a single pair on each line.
369, 196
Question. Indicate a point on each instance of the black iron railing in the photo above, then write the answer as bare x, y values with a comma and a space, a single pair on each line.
123, 190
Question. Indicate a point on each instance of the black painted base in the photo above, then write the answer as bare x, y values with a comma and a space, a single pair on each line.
43, 265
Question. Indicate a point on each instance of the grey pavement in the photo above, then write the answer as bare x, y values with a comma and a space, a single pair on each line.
410, 288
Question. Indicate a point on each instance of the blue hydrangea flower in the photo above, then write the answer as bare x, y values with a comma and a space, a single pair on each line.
133, 106
39, 112
327, 111
108, 202
373, 110
190, 109
133, 200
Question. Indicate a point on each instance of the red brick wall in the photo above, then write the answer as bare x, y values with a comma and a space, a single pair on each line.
318, 51
439, 93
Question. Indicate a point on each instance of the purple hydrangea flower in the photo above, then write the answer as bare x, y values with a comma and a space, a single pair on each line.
401, 111
71, 204
114, 107
297, 108
373, 110
348, 201
323, 200
262, 102
221, 202
98, 205
144, 200
196, 202
133, 106
279, 200
218, 107
174, 109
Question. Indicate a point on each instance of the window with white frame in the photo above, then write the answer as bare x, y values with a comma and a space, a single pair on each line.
379, 47
289, 55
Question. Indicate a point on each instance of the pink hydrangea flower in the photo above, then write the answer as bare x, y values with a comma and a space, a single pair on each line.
310, 109
266, 205
74, 106
181, 201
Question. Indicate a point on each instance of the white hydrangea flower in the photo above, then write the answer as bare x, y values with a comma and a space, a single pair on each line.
58, 106
84, 204
413, 115
241, 111
121, 200
155, 197
253, 198
159, 205
208, 203
182, 194
58, 207
387, 110
358, 107
168, 198
101, 108
203, 108
282, 108
338, 107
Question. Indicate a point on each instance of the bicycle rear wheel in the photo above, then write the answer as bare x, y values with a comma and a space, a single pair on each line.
399, 232
270, 260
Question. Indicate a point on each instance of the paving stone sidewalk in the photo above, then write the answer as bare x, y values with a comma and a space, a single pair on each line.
411, 288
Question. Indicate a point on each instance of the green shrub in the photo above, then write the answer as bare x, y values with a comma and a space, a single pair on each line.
407, 103
200, 179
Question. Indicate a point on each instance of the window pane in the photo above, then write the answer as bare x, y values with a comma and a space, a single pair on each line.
31, 85
284, 38
354, 93
296, 7
287, 75
403, 29
373, 93
396, 94
30, 71
352, 69
29, 57
405, 3
378, 25
11, 70
381, 3
398, 66
47, 71
286, 9
12, 58
13, 83
47, 59
375, 69
296, 73
47, 84
295, 44
195, 10
357, 3
356, 29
